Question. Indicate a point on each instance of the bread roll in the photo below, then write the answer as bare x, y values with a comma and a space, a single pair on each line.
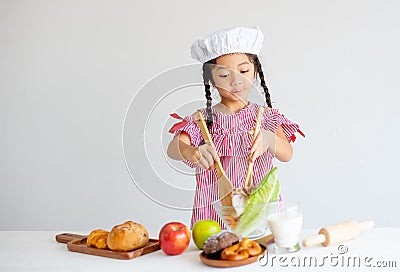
97, 239
127, 236
219, 241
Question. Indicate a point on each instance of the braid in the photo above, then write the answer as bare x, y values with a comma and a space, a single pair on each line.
209, 119
206, 81
257, 64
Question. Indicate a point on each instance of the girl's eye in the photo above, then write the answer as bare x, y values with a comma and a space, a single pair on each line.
226, 75
243, 72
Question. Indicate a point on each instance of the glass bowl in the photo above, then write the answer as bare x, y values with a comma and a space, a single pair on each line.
253, 224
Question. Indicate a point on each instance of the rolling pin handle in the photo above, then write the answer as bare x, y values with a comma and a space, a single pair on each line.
367, 225
315, 240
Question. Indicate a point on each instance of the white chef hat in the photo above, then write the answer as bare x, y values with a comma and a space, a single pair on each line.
227, 41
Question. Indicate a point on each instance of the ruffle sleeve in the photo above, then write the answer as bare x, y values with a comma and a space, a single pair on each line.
272, 119
189, 126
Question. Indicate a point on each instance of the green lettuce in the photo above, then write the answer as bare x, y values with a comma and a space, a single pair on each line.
255, 212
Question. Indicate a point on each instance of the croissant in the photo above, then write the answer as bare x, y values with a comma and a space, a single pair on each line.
98, 239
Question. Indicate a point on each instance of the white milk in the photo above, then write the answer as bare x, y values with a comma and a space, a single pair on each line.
286, 228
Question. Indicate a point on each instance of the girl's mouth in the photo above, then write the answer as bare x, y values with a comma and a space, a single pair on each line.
236, 91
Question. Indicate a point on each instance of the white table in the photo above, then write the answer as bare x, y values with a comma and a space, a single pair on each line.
38, 251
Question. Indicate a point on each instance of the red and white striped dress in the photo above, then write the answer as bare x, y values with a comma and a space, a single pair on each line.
233, 142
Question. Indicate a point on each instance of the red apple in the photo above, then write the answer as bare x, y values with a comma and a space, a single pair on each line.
174, 238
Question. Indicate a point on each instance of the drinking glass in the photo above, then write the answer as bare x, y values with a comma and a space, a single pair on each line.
285, 221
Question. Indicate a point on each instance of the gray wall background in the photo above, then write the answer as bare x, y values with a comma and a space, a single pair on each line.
70, 69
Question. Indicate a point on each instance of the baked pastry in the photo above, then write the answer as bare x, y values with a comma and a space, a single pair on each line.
127, 236
242, 250
97, 239
218, 242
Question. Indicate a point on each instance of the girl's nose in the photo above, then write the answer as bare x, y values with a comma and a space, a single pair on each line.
236, 79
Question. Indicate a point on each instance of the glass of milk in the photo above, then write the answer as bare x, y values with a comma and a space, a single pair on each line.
285, 221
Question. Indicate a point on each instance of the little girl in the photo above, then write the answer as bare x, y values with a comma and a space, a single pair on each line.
231, 65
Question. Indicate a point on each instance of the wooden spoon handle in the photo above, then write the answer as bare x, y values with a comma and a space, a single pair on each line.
249, 174
225, 186
207, 138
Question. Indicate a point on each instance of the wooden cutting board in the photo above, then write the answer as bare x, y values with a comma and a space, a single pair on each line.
77, 243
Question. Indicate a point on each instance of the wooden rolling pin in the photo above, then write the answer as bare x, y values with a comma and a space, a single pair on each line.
338, 233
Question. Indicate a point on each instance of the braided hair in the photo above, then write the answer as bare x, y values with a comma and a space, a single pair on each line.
207, 79
257, 65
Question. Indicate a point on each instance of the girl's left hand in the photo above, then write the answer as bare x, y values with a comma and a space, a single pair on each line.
262, 141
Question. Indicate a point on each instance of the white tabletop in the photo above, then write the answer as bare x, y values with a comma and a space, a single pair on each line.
38, 251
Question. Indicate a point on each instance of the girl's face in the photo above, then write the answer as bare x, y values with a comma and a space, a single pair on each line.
233, 76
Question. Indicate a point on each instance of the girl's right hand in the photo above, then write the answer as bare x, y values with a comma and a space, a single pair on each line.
206, 156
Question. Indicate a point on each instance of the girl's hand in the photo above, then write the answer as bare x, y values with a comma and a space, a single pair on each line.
205, 156
262, 141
